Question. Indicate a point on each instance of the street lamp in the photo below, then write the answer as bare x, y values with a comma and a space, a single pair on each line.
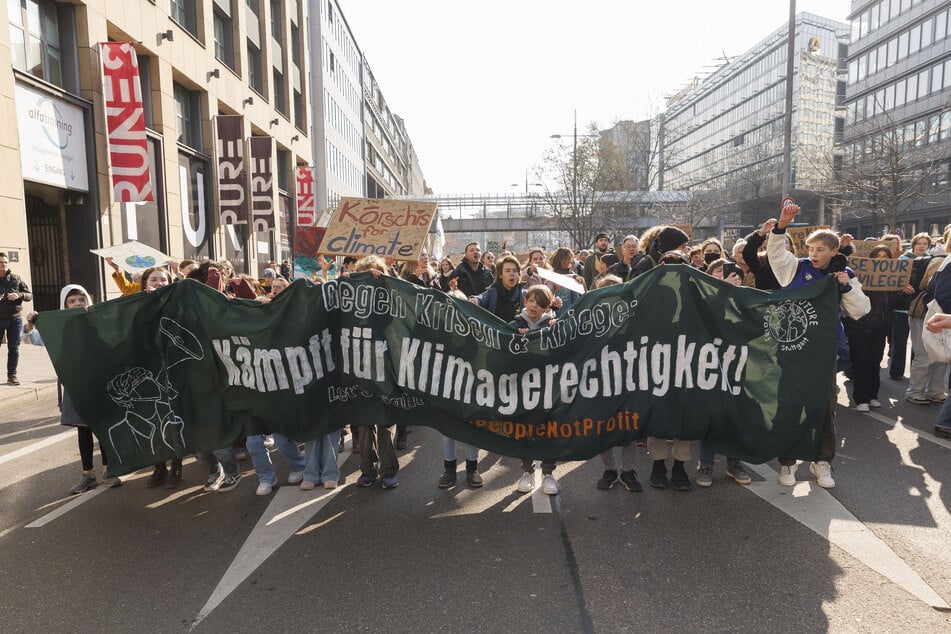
527, 183
574, 160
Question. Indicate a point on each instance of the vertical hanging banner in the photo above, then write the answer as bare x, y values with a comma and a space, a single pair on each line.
125, 123
232, 179
306, 216
262, 184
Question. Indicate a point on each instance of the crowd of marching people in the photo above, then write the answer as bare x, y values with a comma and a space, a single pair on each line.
526, 294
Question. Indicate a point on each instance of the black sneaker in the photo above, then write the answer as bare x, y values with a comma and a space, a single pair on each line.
658, 478
473, 479
679, 478
230, 482
174, 479
607, 480
942, 430
630, 481
447, 479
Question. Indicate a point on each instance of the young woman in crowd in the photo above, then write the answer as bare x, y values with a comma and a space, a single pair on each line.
866, 337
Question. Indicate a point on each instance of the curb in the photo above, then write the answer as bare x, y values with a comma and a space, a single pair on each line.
26, 396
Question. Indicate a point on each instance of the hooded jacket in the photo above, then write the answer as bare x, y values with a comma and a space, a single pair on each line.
524, 321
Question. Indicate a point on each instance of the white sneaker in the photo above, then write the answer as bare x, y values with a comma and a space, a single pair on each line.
526, 483
550, 485
787, 475
823, 472
875, 403
294, 477
862, 407
264, 488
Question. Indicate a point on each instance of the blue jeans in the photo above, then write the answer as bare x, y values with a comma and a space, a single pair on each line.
12, 327
219, 459
449, 449
944, 416
321, 458
261, 458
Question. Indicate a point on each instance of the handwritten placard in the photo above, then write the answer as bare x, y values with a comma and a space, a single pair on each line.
864, 247
372, 226
798, 236
882, 274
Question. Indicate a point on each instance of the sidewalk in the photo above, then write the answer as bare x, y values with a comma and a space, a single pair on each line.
36, 374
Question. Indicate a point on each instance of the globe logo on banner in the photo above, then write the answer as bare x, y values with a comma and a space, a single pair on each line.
140, 261
788, 323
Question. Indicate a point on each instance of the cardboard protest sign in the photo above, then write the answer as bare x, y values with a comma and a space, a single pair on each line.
372, 226
133, 256
882, 274
864, 247
798, 236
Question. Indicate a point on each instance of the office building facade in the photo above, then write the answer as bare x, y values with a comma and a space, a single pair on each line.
723, 136
897, 103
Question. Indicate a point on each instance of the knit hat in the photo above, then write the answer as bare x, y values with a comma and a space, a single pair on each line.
609, 259
602, 235
669, 239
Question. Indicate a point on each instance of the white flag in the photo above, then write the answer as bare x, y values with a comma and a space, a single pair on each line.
440, 245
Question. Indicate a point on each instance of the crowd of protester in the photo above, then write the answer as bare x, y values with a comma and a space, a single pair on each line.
517, 293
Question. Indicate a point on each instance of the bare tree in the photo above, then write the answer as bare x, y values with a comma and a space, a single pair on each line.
582, 172
891, 167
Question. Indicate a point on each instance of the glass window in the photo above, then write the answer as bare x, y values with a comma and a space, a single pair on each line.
940, 26
280, 93
276, 22
927, 32
892, 51
34, 39
947, 73
889, 98
183, 12
934, 129
255, 76
188, 116
936, 79
224, 39
914, 40
923, 84
903, 46
945, 124
900, 92
912, 88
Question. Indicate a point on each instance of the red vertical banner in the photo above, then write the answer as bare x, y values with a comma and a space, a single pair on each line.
125, 123
262, 183
232, 179
306, 207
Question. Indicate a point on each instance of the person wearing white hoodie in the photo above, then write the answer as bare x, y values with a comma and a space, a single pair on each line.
535, 315
73, 296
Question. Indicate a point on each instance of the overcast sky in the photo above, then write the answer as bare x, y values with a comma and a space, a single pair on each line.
483, 85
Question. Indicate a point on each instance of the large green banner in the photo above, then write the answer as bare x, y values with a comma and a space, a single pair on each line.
675, 353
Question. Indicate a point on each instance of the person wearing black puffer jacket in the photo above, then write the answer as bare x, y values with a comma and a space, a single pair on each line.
13, 292
473, 276
866, 337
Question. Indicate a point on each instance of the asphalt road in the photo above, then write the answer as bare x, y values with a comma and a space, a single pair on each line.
874, 554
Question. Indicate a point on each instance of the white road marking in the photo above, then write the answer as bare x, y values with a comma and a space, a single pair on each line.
290, 509
39, 444
819, 511
82, 498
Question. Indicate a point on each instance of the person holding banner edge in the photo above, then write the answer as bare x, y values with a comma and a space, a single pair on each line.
793, 272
